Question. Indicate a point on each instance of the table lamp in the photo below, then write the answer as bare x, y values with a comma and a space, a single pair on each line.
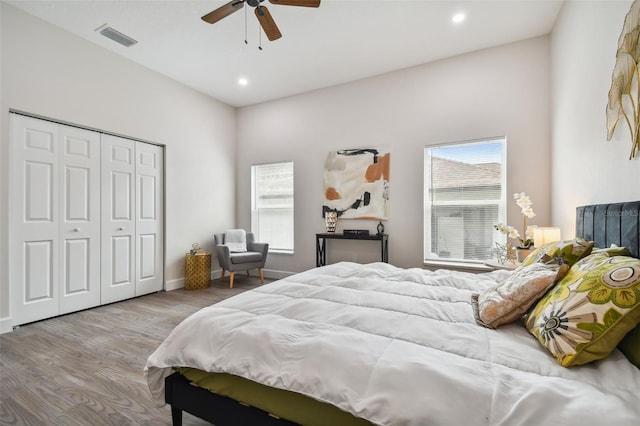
543, 235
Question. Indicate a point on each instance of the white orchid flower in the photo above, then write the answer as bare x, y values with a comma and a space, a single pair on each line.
513, 233
526, 209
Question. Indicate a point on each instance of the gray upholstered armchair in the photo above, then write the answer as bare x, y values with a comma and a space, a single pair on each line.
234, 259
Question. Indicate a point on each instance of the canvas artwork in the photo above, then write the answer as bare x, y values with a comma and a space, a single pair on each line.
356, 184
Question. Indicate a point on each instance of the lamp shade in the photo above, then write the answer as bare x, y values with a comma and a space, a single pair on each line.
543, 235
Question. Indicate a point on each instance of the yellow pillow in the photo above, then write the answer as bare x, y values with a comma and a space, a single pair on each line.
590, 310
569, 250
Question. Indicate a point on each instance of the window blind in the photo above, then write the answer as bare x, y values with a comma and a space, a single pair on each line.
272, 205
464, 198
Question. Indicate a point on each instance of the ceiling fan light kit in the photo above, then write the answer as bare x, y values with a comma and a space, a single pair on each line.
262, 13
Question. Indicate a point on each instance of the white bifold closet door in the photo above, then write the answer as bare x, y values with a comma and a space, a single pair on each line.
86, 218
118, 218
55, 232
132, 220
149, 218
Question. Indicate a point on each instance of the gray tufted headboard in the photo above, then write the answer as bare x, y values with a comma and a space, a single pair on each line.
606, 224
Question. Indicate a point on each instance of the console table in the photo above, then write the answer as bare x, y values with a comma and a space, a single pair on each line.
321, 247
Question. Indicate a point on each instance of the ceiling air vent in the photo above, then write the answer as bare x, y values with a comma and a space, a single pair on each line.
116, 36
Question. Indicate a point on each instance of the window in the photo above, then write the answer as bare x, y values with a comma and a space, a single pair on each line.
464, 197
272, 205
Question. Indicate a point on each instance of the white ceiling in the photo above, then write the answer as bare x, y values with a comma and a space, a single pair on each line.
341, 41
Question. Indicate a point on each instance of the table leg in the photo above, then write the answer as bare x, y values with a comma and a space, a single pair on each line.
321, 253
385, 250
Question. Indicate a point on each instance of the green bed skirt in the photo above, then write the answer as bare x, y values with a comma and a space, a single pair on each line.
284, 404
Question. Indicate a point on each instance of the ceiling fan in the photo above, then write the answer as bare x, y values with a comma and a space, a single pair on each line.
262, 13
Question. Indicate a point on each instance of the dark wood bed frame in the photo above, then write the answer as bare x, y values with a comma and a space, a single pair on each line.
605, 224
219, 410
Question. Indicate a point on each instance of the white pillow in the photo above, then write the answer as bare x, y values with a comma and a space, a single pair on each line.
236, 240
509, 300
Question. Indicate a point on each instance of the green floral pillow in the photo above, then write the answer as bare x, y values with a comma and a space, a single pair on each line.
590, 310
569, 250
613, 250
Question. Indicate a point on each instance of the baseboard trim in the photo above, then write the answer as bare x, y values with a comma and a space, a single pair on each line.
277, 275
215, 275
174, 284
268, 273
6, 325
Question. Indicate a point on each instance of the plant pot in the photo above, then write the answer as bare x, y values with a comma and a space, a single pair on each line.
522, 253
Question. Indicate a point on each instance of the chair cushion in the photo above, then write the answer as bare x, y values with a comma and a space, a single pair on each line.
246, 257
236, 240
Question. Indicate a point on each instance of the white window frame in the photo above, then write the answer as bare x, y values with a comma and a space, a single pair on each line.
500, 203
255, 211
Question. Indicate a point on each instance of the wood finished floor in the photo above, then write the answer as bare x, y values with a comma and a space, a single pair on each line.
86, 368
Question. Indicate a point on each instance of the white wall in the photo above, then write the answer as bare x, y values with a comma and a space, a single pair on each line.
587, 169
498, 91
508, 90
52, 73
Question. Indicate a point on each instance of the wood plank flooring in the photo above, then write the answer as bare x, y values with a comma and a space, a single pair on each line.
86, 368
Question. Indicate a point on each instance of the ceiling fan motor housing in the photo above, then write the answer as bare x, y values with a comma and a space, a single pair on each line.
264, 17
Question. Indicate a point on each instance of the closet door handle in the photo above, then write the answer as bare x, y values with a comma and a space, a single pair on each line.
76, 229
121, 228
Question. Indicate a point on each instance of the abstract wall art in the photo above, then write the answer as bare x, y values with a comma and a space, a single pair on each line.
356, 184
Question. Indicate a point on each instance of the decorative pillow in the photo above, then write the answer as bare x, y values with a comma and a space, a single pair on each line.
236, 240
613, 250
569, 250
590, 310
630, 346
509, 300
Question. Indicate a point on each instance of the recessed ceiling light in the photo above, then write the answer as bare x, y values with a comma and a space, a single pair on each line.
458, 17
243, 81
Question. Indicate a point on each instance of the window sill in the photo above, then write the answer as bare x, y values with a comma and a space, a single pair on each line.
458, 266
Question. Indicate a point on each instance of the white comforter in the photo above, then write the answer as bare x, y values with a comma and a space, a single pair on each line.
397, 347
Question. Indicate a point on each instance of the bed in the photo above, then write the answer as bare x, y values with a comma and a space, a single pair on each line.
375, 344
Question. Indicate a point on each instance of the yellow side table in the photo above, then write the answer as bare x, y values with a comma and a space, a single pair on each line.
197, 273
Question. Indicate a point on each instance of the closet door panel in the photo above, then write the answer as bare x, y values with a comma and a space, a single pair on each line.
38, 271
149, 218
80, 213
34, 230
76, 279
121, 253
118, 219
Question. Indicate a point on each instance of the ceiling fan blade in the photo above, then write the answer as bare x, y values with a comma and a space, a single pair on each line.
304, 3
267, 23
223, 11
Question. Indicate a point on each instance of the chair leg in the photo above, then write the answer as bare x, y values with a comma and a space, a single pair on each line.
248, 274
231, 276
261, 275
222, 276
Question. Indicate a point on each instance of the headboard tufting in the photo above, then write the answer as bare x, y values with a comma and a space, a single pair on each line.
606, 224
